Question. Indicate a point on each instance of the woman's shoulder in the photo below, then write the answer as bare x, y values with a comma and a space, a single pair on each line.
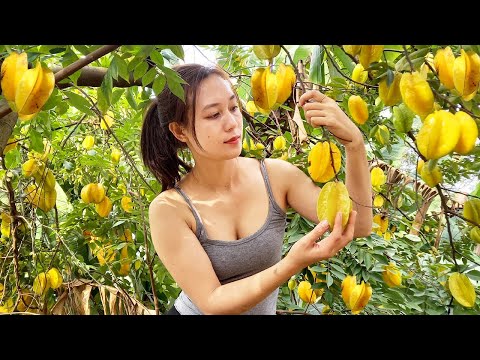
279, 172
167, 202
279, 167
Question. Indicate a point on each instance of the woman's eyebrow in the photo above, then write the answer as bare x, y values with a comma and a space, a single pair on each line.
215, 104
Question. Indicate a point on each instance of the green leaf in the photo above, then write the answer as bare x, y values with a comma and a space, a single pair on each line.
172, 74
116, 95
106, 88
294, 238
134, 63
176, 88
113, 68
120, 222
338, 274
334, 74
102, 103
78, 102
301, 53
13, 159
145, 50
360, 254
390, 77
177, 50
62, 108
316, 68
412, 237
53, 100
329, 277
392, 55
122, 67
157, 58
335, 266
36, 140
149, 76
159, 84
140, 70
368, 259
345, 60
131, 99
328, 296
417, 58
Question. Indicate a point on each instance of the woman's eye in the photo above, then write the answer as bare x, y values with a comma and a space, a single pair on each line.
214, 116
235, 108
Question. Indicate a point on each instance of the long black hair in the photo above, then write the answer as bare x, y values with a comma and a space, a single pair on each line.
159, 147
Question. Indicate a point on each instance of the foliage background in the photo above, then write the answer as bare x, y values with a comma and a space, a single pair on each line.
122, 81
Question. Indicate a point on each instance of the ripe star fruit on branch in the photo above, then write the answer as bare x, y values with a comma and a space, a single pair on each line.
391, 275
416, 93
334, 198
356, 297
377, 178
320, 161
358, 109
462, 289
370, 54
13, 67
381, 222
390, 94
475, 234
438, 135
468, 133
466, 74
352, 50
471, 210
269, 90
402, 118
359, 74
41, 197
266, 52
93, 193
306, 293
431, 177
33, 90
443, 62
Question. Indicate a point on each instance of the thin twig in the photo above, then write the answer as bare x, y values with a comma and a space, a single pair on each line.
147, 255
405, 51
446, 210
334, 63
299, 77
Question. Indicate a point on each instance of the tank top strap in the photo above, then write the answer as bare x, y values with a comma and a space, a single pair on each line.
200, 228
266, 179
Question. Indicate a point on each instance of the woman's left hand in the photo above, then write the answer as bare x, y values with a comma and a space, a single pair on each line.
324, 111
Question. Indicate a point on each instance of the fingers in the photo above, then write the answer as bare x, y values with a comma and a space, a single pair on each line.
311, 95
337, 226
338, 238
317, 231
317, 121
348, 233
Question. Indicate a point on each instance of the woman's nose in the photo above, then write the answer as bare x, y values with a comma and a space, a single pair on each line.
230, 121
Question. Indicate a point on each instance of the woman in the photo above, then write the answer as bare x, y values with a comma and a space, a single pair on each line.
219, 229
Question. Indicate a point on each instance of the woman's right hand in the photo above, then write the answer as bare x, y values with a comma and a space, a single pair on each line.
310, 248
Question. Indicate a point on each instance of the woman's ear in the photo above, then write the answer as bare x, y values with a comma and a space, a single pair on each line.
177, 131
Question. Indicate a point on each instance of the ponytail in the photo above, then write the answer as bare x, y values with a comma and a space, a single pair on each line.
159, 149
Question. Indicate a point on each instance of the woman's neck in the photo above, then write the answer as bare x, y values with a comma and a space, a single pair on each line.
217, 176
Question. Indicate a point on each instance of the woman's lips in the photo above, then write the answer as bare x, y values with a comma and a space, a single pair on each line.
233, 140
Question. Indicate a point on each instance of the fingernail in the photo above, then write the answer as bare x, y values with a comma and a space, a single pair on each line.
324, 223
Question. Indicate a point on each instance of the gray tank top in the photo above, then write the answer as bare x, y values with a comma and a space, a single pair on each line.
237, 259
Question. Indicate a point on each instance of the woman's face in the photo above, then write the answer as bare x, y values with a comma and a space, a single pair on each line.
218, 120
